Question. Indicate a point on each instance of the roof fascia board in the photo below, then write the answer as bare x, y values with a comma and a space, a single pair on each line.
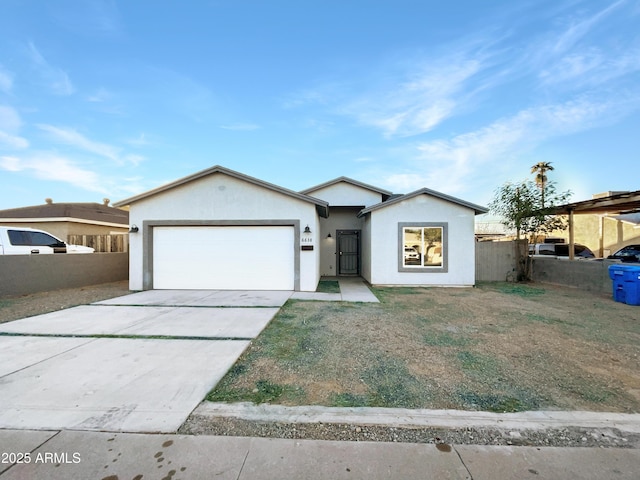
425, 191
627, 202
63, 219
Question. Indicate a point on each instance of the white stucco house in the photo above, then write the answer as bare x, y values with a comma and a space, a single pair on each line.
220, 229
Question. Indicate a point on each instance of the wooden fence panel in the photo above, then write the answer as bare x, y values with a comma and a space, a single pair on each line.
102, 243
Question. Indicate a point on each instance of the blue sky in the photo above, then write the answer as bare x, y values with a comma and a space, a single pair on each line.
112, 98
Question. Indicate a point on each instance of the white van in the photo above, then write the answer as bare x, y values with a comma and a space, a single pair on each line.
27, 241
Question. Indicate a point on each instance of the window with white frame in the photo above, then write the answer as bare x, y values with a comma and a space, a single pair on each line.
423, 246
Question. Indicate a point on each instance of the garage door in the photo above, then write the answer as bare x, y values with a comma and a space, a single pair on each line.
225, 258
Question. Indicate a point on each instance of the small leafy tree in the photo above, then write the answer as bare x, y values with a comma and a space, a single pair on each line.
520, 206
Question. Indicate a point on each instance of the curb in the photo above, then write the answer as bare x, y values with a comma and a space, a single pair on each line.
400, 417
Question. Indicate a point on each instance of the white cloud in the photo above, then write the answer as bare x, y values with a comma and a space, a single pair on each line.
10, 123
6, 80
420, 100
139, 141
578, 30
134, 159
13, 141
449, 165
55, 78
101, 95
241, 126
9, 119
71, 137
52, 167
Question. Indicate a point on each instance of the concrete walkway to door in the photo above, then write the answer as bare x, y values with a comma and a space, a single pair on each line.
352, 289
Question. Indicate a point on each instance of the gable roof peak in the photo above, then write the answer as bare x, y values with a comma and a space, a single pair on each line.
321, 205
351, 181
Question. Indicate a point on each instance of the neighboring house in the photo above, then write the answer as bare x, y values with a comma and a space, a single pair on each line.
64, 219
220, 229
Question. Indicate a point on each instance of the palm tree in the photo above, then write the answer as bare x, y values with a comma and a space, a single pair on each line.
540, 170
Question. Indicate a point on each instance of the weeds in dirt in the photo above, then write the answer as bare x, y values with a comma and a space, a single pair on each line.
264, 391
500, 347
521, 290
446, 339
492, 402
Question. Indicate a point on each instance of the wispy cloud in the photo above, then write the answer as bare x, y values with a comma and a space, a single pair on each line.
577, 30
449, 165
54, 78
52, 167
139, 141
10, 123
71, 137
13, 141
582, 56
101, 95
417, 103
241, 126
6, 80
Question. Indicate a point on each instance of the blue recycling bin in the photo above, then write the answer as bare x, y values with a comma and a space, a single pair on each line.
626, 283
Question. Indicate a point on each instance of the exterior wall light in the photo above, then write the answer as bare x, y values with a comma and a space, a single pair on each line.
307, 229
134, 229
329, 236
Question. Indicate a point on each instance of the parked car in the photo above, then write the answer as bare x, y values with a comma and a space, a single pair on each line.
560, 250
27, 241
411, 255
630, 253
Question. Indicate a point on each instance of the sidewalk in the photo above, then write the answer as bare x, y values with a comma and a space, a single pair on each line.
68, 455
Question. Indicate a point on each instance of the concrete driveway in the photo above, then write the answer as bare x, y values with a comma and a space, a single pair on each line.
138, 363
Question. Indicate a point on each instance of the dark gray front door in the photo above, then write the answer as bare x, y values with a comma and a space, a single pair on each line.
348, 252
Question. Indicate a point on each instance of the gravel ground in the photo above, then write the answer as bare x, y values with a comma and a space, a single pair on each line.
564, 437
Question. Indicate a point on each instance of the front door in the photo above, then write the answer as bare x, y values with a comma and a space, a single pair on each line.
348, 252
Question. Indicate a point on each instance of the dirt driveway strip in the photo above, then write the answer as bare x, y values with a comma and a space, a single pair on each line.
139, 364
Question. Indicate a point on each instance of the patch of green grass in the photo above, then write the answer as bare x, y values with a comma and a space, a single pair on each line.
534, 317
446, 339
496, 402
520, 290
478, 365
293, 338
328, 286
392, 385
265, 391
349, 400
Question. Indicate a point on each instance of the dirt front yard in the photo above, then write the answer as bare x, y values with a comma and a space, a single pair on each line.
21, 306
496, 347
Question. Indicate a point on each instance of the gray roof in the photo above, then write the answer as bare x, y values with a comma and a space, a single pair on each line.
98, 212
321, 205
424, 191
385, 193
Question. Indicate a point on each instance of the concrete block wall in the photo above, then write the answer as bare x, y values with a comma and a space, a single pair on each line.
588, 275
24, 274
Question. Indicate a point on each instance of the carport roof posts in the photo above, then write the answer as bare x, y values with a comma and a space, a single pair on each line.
620, 203
321, 206
627, 202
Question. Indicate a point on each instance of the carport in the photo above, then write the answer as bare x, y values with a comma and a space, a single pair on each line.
617, 204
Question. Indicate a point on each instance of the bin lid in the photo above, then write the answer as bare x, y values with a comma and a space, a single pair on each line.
624, 268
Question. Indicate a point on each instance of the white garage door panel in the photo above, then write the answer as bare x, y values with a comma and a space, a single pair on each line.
225, 258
